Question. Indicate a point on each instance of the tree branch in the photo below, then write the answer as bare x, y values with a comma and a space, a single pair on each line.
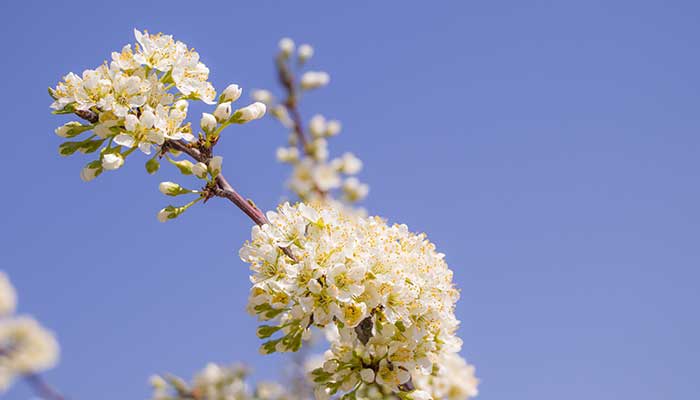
223, 188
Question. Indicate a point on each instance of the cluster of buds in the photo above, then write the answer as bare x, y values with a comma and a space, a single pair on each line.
385, 291
315, 176
25, 346
140, 100
216, 382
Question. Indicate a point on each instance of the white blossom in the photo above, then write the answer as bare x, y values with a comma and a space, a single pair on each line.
305, 52
314, 79
263, 96
347, 270
453, 379
286, 46
8, 296
27, 348
112, 161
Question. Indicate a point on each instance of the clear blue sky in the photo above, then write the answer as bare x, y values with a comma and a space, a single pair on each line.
549, 148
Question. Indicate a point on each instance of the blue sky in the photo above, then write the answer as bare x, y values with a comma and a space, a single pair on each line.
549, 148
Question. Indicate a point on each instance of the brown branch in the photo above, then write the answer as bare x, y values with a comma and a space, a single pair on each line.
202, 153
42, 388
286, 78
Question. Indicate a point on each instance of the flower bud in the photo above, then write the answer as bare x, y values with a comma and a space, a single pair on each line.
112, 161
351, 164
287, 154
171, 189
314, 79
199, 170
71, 129
215, 165
223, 111
251, 112
185, 166
8, 296
263, 96
231, 93
305, 52
90, 171
208, 122
169, 212
317, 126
286, 46
333, 127
354, 190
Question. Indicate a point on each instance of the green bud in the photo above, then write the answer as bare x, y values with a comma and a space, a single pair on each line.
265, 331
152, 166
185, 166
72, 129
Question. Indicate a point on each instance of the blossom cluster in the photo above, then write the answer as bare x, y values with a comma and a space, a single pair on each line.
25, 346
314, 174
216, 382
385, 291
139, 100
452, 379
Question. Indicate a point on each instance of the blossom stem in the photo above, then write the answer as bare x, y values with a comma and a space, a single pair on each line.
287, 80
42, 388
223, 187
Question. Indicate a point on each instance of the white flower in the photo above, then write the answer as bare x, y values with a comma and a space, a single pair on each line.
231, 93
223, 111
208, 122
420, 395
286, 46
314, 79
354, 190
287, 154
8, 296
351, 164
325, 177
263, 96
251, 112
215, 165
367, 375
27, 348
199, 170
317, 126
333, 127
454, 379
305, 52
112, 161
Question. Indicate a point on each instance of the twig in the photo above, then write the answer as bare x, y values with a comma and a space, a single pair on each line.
42, 388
